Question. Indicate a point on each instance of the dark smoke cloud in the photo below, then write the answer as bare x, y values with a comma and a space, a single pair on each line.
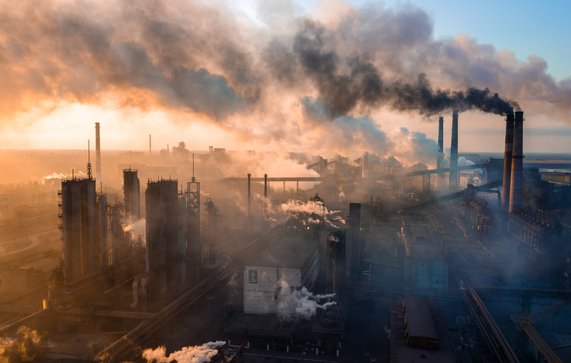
190, 55
361, 83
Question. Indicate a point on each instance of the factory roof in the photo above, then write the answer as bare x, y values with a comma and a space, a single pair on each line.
418, 317
403, 352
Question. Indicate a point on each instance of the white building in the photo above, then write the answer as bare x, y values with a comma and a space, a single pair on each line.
294, 260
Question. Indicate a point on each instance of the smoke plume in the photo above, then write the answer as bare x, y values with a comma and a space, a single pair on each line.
25, 347
191, 354
199, 61
361, 83
296, 304
137, 230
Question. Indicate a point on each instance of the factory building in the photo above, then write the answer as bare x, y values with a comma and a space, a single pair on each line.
165, 247
132, 194
292, 260
538, 236
79, 227
423, 260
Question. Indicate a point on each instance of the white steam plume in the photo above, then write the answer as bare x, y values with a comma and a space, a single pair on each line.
191, 354
137, 230
296, 304
311, 207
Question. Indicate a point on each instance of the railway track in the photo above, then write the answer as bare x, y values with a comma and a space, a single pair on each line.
489, 330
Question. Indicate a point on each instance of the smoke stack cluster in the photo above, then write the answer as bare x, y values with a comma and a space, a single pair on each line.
453, 183
516, 179
508, 160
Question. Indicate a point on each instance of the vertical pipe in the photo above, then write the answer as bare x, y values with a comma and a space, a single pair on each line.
265, 185
97, 152
440, 141
507, 160
249, 196
517, 164
440, 156
453, 183
150, 149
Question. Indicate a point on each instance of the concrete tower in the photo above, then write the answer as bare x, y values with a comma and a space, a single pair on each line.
453, 183
132, 195
165, 252
78, 215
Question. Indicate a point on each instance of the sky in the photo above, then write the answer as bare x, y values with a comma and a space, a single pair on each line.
226, 79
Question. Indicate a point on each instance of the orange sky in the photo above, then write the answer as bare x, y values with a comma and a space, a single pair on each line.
212, 82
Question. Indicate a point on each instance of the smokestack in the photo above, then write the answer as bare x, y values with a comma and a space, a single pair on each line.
249, 196
150, 149
265, 185
517, 164
89, 176
453, 183
440, 156
97, 152
508, 161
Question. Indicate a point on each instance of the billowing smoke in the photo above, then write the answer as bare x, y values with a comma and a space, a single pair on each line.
294, 304
361, 84
191, 354
61, 176
198, 61
26, 347
312, 211
148, 50
137, 230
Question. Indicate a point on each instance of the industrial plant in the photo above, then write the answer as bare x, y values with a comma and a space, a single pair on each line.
367, 260
282, 181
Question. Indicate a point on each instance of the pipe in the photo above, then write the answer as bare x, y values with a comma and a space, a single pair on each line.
508, 161
440, 139
150, 150
440, 156
517, 164
265, 185
97, 152
453, 182
249, 195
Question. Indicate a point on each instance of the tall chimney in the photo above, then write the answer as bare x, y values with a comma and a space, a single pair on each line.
150, 149
440, 156
517, 164
249, 196
453, 183
97, 152
508, 161
266, 185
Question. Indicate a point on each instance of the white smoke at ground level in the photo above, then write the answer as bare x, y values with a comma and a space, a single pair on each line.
294, 304
191, 354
